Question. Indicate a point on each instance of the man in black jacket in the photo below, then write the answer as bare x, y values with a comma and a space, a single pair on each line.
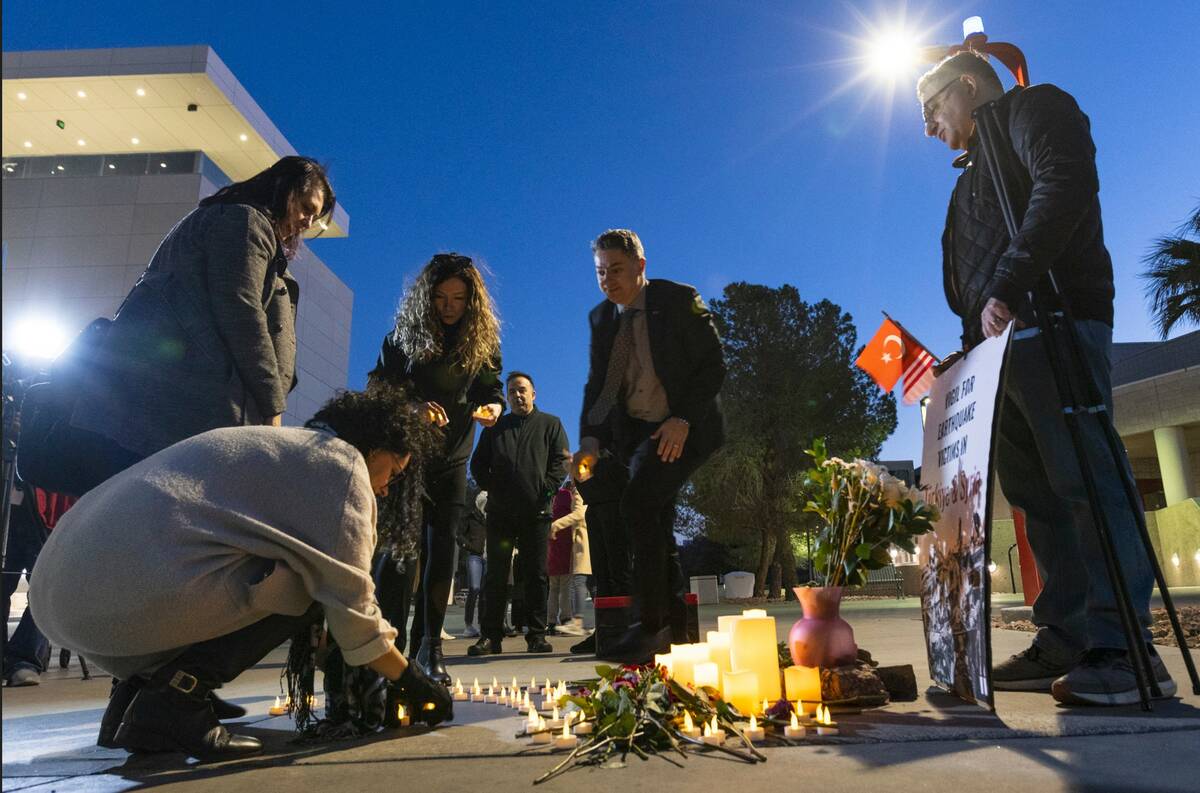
1046, 148
520, 462
651, 400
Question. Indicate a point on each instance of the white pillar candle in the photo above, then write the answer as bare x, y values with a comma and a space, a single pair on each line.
741, 689
754, 613
706, 674
803, 683
718, 650
753, 647
725, 623
663, 659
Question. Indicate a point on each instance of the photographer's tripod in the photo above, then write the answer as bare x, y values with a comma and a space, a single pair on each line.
1081, 402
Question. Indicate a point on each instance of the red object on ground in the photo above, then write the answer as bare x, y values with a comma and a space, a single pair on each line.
1031, 582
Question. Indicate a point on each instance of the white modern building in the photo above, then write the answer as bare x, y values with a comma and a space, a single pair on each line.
103, 152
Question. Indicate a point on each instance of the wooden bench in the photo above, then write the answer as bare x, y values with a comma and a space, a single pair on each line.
885, 580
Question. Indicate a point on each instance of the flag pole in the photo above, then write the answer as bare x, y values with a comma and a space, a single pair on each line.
910, 335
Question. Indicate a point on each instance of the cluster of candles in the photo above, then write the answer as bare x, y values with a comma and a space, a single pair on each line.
712, 734
542, 730
741, 660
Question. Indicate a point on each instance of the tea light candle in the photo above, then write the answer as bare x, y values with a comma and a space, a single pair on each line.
502, 699
741, 689
689, 727
713, 735
754, 733
533, 687
279, 709
566, 740
802, 714
402, 716
459, 694
795, 729
706, 674
542, 733
490, 697
555, 722
583, 728
531, 722
546, 690
825, 723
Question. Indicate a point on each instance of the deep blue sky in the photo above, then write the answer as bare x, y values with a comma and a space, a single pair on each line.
730, 135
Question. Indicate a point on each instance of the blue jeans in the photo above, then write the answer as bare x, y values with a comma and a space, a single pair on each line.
28, 648
1039, 473
579, 594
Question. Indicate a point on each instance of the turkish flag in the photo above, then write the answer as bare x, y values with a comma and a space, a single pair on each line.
893, 353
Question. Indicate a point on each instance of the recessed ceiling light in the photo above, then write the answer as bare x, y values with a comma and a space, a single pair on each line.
112, 167
162, 165
140, 92
60, 168
81, 142
135, 141
22, 95
28, 144
9, 168
243, 137
81, 94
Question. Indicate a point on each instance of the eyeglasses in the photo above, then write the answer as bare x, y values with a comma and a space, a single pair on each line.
927, 109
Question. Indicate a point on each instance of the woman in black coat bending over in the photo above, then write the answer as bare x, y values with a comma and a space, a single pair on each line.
446, 348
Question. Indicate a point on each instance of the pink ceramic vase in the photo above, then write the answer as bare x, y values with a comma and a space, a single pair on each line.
821, 637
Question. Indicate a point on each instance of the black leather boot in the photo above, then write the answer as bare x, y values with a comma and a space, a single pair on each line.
123, 692
585, 647
173, 713
484, 646
435, 664
225, 710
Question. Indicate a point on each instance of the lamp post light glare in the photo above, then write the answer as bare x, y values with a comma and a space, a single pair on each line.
37, 338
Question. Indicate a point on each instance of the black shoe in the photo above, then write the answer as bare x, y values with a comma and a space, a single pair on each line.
172, 718
225, 710
585, 647
435, 666
123, 692
484, 646
538, 645
638, 647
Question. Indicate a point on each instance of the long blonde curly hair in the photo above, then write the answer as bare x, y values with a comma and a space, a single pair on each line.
418, 330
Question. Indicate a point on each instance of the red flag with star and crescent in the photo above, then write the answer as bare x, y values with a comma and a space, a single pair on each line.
893, 353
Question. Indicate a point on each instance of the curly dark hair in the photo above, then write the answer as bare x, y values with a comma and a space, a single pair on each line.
387, 417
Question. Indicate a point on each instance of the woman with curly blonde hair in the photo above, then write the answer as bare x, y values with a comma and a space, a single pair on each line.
445, 346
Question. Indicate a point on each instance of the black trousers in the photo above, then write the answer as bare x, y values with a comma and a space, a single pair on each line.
528, 535
433, 570
648, 509
222, 659
608, 539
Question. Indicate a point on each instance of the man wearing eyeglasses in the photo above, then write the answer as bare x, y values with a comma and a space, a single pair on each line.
1079, 652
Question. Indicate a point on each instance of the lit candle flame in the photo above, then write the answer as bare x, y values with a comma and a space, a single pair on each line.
276, 701
458, 689
476, 686
514, 685
765, 706
430, 706
491, 692
532, 684
495, 683
707, 731
795, 724
399, 711
687, 721
714, 723
554, 713
753, 722
566, 729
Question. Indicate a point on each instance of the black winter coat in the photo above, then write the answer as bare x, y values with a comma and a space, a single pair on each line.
521, 462
1053, 160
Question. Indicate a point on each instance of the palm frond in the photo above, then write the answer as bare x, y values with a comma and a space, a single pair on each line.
1173, 277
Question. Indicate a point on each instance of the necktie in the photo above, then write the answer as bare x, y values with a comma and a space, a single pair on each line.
618, 362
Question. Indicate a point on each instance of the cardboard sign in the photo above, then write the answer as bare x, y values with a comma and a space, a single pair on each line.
956, 476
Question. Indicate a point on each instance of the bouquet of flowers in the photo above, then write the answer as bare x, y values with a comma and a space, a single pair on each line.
641, 710
864, 511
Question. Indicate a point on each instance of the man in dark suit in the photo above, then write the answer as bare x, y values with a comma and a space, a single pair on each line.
651, 401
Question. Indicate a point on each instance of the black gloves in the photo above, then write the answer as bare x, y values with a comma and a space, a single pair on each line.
425, 699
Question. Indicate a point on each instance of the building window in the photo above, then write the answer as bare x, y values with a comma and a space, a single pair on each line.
172, 162
86, 165
14, 167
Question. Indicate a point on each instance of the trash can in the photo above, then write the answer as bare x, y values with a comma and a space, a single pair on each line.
705, 588
739, 585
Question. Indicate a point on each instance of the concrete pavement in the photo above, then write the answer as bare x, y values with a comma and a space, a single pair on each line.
935, 743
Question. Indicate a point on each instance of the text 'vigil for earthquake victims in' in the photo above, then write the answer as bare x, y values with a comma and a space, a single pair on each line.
956, 421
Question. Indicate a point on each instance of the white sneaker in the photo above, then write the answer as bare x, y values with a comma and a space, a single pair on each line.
24, 677
572, 628
446, 635
470, 632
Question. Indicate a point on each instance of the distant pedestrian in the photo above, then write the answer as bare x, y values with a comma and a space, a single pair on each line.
474, 541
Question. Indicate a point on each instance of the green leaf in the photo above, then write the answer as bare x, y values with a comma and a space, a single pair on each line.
862, 550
